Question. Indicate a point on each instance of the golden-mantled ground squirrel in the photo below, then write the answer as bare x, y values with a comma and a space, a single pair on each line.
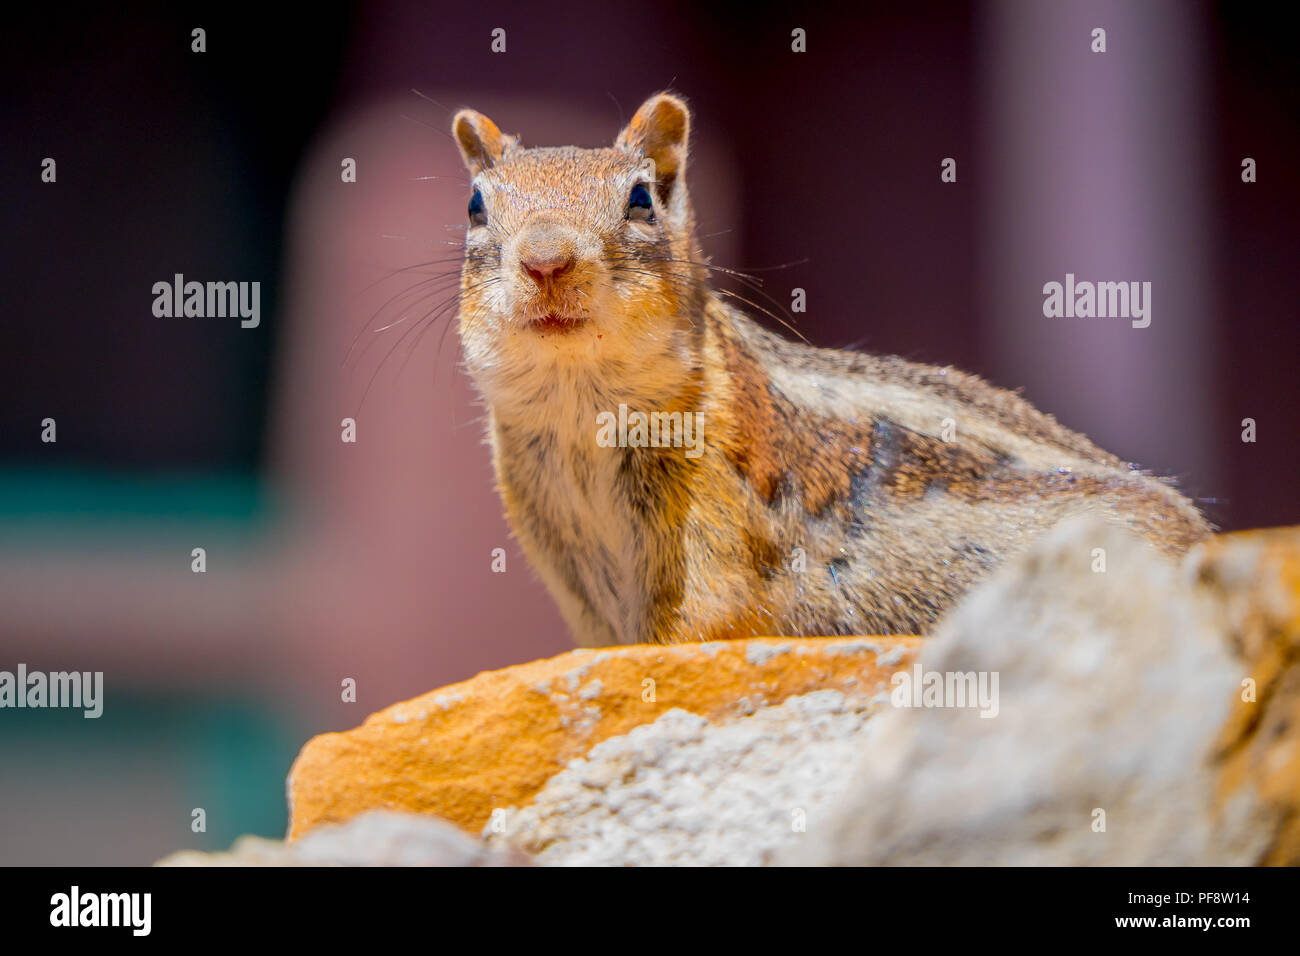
677, 473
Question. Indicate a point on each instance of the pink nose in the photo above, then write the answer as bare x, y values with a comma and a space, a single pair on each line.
544, 270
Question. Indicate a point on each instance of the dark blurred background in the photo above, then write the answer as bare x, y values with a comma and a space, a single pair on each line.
371, 561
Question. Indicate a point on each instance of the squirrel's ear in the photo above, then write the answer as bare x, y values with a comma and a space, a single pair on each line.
481, 144
661, 130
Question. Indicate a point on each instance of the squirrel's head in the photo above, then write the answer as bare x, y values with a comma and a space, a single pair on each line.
578, 256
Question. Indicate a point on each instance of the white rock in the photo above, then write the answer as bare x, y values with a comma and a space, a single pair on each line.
1112, 686
684, 791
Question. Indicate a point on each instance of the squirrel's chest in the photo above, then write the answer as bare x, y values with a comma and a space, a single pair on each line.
567, 501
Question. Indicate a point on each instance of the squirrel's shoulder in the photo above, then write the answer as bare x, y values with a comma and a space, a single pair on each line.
845, 384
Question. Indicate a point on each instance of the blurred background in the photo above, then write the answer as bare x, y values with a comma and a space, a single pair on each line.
372, 561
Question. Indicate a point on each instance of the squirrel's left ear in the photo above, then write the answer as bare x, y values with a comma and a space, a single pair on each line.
481, 144
661, 130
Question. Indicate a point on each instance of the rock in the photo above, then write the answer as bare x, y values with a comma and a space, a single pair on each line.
1255, 577
377, 838
683, 790
1112, 691
493, 741
1144, 714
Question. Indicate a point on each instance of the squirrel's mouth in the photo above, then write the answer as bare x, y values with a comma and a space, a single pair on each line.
556, 323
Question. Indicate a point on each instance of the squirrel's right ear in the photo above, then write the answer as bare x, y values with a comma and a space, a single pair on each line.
481, 144
660, 130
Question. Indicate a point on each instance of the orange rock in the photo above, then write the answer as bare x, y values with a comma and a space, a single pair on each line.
495, 739
1255, 576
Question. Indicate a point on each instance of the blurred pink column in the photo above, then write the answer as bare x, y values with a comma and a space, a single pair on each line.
1097, 165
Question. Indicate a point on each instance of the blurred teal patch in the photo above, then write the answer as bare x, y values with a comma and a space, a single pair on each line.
122, 788
46, 493
45, 505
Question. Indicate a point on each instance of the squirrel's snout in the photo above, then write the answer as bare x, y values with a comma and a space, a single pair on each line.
545, 269
547, 251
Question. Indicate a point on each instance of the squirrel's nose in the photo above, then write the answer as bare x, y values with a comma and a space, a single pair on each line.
544, 269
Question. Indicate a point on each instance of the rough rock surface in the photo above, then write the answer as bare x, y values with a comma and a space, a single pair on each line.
685, 791
377, 838
1113, 689
1255, 579
1146, 713
491, 742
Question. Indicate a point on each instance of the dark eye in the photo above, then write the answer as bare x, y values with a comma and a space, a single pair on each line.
639, 204
477, 214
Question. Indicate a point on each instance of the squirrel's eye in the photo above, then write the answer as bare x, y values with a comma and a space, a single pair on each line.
639, 204
477, 214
